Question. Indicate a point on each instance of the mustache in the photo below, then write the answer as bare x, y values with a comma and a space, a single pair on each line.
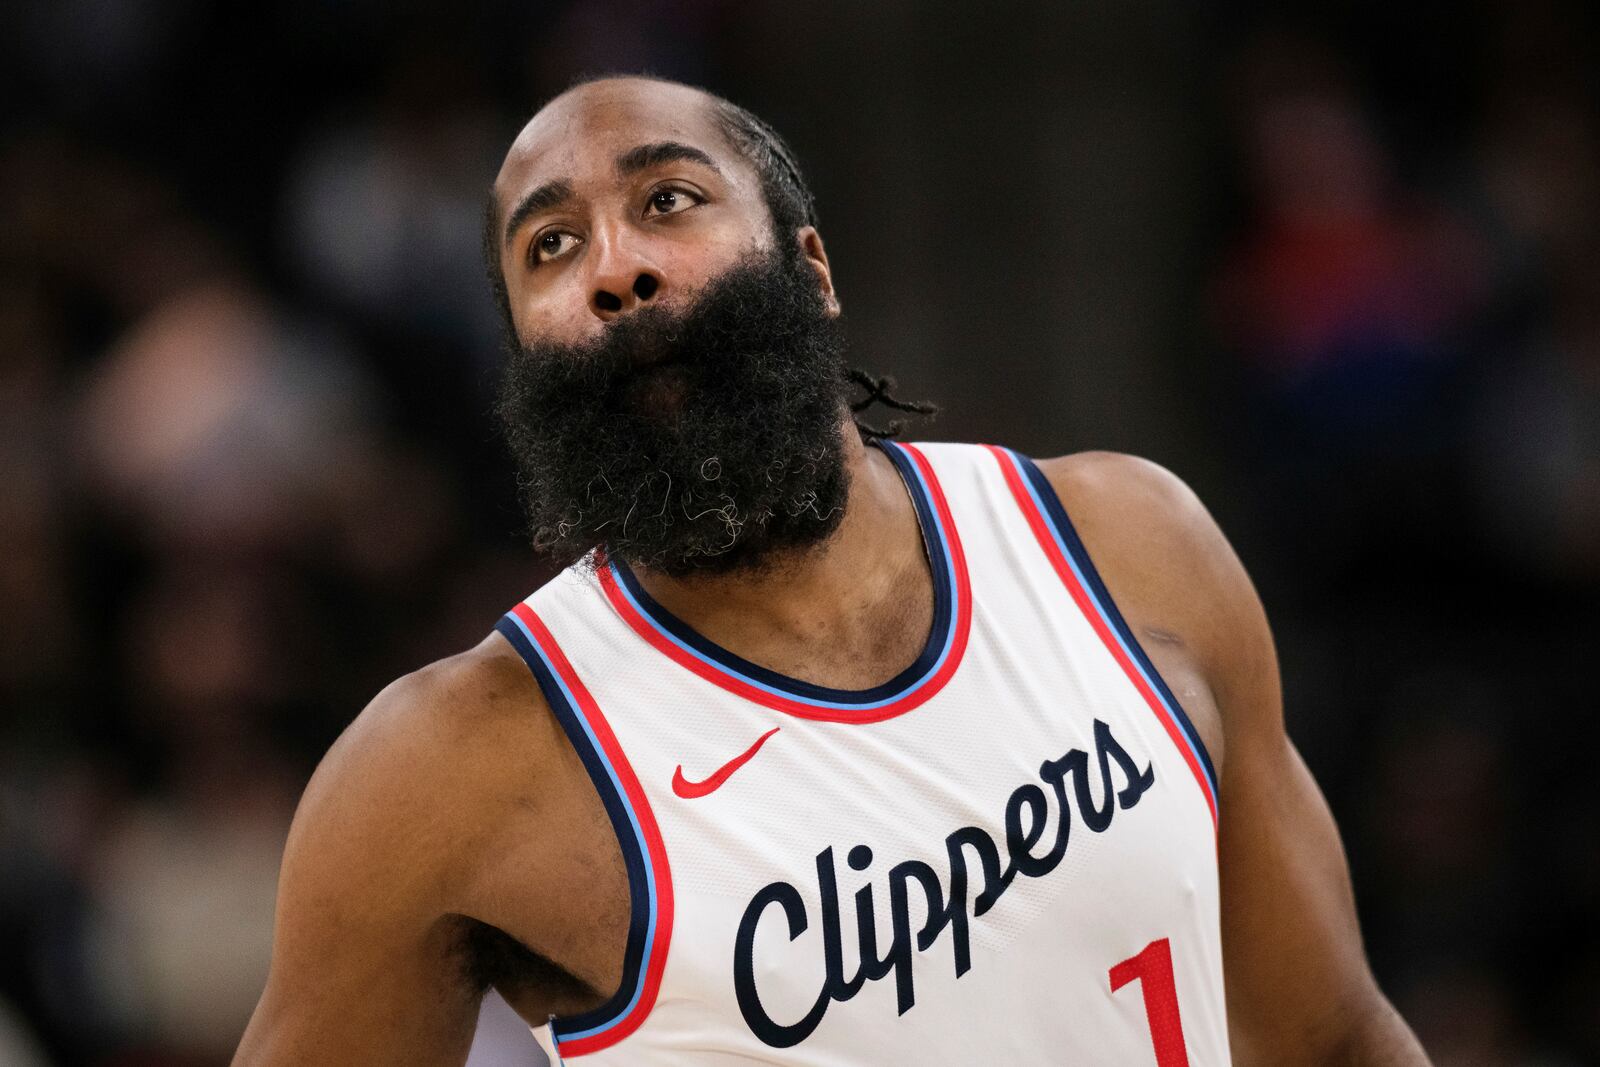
754, 315
697, 435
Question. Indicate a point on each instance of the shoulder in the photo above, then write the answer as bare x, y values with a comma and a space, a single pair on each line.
1107, 486
413, 789
1138, 517
426, 723
1169, 566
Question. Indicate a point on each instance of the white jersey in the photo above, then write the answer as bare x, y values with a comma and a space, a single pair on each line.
1005, 855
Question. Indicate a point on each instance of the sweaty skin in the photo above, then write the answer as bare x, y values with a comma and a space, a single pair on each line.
451, 837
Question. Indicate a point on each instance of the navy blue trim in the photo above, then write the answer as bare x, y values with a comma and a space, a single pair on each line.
938, 634
633, 857
1069, 534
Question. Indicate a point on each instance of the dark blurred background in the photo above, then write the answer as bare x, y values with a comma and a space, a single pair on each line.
1338, 268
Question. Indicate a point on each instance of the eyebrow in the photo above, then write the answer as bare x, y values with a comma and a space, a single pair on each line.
653, 155
554, 194
547, 196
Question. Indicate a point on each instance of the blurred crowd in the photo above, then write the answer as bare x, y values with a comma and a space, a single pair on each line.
1411, 316
246, 361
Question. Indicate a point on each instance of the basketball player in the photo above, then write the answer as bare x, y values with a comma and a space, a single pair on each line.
827, 749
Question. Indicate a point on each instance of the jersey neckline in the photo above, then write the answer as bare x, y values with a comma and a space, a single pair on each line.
941, 653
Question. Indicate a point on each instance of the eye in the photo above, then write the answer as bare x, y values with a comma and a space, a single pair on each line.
672, 201
552, 244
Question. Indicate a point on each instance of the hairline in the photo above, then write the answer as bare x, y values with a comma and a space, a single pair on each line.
724, 113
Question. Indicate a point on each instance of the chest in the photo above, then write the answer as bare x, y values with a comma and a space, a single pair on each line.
1033, 813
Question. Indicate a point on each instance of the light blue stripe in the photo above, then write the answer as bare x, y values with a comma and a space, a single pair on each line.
616, 783
1116, 631
949, 638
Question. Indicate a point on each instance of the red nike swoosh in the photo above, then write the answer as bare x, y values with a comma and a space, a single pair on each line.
689, 790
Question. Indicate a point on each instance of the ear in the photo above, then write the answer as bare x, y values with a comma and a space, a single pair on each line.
811, 247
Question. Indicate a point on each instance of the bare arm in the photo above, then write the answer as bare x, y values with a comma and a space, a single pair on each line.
362, 959
1298, 980
389, 849
1299, 989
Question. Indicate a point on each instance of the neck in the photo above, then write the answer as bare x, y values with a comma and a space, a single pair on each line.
849, 613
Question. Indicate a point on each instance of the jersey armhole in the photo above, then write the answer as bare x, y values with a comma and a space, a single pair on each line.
1060, 541
638, 837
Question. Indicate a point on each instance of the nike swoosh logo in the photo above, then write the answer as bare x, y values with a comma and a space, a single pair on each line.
689, 790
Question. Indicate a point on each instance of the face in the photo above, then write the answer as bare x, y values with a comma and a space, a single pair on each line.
676, 391
623, 194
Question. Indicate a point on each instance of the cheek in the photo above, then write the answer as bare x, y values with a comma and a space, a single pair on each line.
688, 266
558, 312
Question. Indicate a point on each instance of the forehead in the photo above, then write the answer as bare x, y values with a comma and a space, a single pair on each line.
581, 132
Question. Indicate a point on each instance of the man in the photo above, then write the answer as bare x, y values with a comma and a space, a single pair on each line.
832, 750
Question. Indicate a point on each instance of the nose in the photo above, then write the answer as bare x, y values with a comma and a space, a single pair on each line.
622, 274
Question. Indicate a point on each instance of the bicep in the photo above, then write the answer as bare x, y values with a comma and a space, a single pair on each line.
1298, 982
343, 990
366, 968
1297, 976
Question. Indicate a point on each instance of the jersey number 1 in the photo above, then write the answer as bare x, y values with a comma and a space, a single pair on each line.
1152, 967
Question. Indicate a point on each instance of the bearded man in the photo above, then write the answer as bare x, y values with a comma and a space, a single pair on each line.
824, 749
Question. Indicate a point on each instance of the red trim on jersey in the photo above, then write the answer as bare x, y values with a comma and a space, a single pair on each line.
1041, 532
654, 846
737, 686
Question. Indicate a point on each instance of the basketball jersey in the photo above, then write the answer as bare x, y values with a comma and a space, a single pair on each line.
1006, 854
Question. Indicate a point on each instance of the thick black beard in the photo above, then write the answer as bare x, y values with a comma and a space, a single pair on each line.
703, 442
